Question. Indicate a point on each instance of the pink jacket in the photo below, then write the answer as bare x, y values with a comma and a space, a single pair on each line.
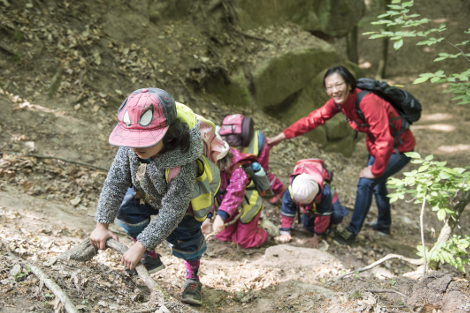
234, 184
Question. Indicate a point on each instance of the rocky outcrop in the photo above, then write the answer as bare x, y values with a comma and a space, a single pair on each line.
334, 18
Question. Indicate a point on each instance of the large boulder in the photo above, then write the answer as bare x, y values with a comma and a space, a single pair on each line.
279, 77
334, 18
234, 92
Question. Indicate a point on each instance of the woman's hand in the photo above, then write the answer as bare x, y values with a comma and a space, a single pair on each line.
100, 234
313, 242
219, 224
206, 227
367, 173
274, 141
285, 238
132, 256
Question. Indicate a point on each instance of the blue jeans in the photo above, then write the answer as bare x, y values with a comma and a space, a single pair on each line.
186, 241
367, 187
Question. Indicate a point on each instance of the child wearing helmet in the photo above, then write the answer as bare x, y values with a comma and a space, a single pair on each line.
317, 200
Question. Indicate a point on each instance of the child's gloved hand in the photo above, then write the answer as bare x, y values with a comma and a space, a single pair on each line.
206, 227
219, 225
132, 256
100, 234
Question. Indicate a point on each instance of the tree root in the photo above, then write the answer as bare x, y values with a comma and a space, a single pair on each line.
69, 307
382, 260
84, 251
37, 156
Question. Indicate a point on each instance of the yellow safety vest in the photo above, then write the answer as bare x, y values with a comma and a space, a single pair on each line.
252, 207
253, 147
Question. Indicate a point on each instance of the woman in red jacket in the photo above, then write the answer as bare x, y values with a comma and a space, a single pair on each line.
383, 161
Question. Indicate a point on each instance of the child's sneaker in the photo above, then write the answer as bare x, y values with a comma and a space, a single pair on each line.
152, 265
270, 228
192, 293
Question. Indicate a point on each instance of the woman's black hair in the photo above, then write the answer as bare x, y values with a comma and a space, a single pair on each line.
177, 136
343, 72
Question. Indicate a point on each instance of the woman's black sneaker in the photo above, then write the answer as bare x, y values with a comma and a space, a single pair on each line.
384, 231
345, 238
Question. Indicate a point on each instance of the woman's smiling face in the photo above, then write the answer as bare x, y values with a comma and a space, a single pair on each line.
337, 88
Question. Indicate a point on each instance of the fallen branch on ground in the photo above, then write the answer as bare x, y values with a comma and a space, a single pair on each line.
84, 251
226, 224
382, 260
386, 290
69, 307
37, 156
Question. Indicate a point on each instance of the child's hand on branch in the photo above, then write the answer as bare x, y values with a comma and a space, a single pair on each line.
206, 227
100, 234
219, 225
132, 256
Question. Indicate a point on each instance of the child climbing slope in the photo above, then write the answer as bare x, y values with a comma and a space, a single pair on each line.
238, 195
159, 157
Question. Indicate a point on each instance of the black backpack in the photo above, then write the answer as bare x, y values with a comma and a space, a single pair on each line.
406, 105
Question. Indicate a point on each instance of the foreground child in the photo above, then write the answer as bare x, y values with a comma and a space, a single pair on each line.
159, 158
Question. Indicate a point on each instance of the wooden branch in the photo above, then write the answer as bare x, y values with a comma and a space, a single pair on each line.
69, 307
37, 156
387, 290
386, 258
84, 251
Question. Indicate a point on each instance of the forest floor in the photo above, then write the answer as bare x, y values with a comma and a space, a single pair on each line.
47, 206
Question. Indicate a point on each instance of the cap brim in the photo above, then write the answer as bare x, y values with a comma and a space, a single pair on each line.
136, 138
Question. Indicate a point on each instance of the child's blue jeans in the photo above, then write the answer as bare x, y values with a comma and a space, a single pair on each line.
186, 242
368, 187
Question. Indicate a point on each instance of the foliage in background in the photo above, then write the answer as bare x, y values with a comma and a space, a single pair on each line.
398, 16
439, 186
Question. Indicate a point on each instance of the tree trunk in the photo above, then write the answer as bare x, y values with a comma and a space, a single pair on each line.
351, 45
448, 229
381, 70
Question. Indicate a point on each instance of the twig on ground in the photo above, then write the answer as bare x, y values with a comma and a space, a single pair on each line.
69, 307
226, 224
37, 156
382, 260
386, 290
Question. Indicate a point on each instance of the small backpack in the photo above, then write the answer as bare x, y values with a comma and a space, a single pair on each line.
237, 130
317, 169
261, 183
212, 145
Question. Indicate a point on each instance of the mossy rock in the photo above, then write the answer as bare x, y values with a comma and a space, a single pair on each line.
280, 77
345, 146
235, 92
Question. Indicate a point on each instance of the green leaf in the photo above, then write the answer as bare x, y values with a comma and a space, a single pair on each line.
441, 214
397, 44
420, 80
429, 157
423, 168
412, 155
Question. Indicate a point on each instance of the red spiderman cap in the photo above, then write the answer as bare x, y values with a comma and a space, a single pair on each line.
143, 118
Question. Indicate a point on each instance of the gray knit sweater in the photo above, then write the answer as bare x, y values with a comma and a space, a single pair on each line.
172, 200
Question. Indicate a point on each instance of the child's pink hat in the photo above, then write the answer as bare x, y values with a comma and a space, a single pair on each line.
143, 118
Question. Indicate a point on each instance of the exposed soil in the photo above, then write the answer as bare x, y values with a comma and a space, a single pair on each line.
47, 205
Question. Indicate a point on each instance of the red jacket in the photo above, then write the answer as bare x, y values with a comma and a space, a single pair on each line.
376, 111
